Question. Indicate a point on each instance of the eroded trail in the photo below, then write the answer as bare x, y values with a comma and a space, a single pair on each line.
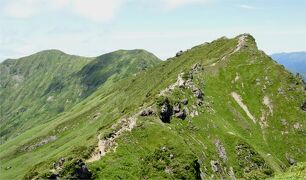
107, 144
238, 99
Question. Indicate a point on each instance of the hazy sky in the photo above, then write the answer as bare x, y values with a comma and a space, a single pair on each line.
94, 27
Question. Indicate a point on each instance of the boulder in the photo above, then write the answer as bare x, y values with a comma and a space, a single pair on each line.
81, 171
198, 94
184, 101
177, 108
180, 81
181, 115
290, 160
179, 53
214, 166
166, 111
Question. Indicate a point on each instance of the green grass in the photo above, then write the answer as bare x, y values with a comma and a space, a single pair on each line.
192, 140
51, 82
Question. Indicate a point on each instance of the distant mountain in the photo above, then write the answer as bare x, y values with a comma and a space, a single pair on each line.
36, 88
293, 61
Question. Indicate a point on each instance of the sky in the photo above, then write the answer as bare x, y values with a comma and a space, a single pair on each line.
163, 27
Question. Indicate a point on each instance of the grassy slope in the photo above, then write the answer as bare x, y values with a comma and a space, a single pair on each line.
38, 87
76, 130
27, 83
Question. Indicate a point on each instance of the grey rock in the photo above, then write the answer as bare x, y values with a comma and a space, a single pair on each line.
179, 53
221, 150
214, 166
166, 111
198, 93
177, 108
297, 125
181, 115
180, 81
147, 112
280, 91
184, 101
290, 160
81, 171
199, 102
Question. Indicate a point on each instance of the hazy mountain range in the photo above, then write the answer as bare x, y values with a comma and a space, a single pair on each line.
293, 61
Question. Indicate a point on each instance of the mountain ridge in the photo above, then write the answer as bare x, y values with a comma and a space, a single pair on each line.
193, 120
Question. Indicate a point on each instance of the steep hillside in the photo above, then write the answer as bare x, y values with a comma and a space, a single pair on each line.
294, 61
221, 109
36, 88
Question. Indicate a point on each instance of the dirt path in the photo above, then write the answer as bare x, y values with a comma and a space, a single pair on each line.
241, 43
266, 101
238, 99
108, 144
264, 115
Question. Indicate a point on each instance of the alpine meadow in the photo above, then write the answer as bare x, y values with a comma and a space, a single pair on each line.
186, 96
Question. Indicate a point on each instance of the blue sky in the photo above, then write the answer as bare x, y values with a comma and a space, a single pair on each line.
94, 27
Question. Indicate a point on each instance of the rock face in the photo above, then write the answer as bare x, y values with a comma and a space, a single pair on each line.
303, 107
40, 143
81, 171
166, 111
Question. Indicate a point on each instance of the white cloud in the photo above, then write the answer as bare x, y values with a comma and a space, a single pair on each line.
22, 8
244, 6
96, 10
173, 4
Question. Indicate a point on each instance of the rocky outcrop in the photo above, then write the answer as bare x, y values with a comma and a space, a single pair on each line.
147, 112
183, 81
179, 53
58, 165
81, 171
196, 68
180, 80
181, 114
166, 111
40, 143
215, 166
221, 150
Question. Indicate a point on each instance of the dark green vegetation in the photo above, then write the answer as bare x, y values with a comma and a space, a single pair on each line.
243, 119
